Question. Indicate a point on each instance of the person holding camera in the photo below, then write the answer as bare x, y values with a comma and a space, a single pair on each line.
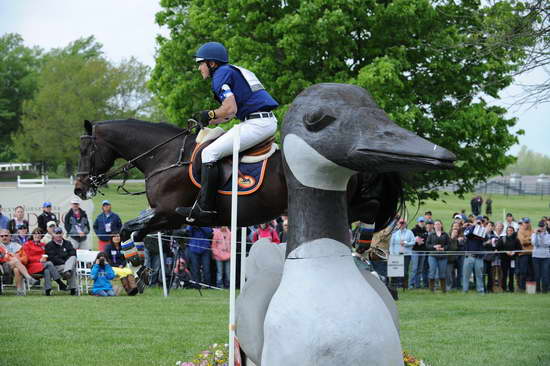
102, 273
541, 256
473, 262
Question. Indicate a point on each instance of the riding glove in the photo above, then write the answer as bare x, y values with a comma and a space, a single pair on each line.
204, 117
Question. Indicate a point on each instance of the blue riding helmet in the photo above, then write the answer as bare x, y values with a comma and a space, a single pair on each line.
212, 51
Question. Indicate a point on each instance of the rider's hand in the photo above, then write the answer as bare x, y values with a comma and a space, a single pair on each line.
204, 117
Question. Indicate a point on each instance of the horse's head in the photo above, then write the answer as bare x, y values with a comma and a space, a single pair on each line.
95, 159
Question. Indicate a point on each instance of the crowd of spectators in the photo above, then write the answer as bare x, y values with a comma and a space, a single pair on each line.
505, 256
474, 251
48, 253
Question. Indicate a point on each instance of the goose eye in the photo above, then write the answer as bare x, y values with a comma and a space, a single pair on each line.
318, 120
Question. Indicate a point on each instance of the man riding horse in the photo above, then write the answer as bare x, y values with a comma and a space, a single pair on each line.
241, 94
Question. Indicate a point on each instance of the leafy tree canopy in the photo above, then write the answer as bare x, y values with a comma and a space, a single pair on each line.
74, 84
530, 163
418, 59
18, 66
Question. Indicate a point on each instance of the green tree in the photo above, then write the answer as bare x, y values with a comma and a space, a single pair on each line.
415, 56
77, 83
18, 65
530, 163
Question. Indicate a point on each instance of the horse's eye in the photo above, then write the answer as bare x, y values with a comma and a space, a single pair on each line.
318, 120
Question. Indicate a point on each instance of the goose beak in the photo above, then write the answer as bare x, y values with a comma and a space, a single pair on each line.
390, 148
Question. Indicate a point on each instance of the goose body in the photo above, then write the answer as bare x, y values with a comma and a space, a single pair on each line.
323, 310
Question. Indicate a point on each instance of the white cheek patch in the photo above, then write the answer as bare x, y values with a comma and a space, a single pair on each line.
313, 169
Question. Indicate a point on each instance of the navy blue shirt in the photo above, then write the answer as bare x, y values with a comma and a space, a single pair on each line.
229, 80
201, 237
473, 243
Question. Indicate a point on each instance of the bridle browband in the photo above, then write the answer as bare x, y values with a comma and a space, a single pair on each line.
99, 180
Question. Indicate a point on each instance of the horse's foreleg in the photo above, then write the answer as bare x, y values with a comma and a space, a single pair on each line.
137, 225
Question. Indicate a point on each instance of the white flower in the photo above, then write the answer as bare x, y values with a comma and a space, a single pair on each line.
215, 345
178, 363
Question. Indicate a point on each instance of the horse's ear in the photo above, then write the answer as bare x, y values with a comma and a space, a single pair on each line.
88, 127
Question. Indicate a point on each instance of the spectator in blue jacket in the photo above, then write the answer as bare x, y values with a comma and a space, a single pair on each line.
199, 252
106, 223
3, 220
102, 274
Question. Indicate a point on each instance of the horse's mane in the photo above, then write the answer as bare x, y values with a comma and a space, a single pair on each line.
168, 127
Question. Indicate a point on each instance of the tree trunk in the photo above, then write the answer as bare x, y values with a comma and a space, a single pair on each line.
69, 167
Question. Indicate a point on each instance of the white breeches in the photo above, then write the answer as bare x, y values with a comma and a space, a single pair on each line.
253, 131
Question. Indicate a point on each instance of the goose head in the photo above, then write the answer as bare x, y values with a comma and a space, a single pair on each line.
332, 131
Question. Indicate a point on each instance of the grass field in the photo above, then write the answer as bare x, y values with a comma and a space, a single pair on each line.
451, 329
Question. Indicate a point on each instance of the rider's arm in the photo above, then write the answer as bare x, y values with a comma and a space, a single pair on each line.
227, 110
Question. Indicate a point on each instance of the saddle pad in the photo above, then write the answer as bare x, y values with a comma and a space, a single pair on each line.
251, 176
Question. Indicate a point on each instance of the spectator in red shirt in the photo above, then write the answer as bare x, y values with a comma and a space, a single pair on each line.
36, 261
266, 231
11, 262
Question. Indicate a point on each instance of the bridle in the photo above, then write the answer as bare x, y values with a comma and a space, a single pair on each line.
87, 164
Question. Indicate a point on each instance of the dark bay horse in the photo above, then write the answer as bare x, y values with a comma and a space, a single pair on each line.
163, 151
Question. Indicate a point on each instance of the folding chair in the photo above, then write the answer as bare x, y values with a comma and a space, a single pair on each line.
84, 261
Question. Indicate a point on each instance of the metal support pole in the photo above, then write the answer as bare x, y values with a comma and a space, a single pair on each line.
162, 265
233, 263
243, 257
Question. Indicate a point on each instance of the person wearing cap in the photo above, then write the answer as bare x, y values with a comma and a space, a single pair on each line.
401, 243
241, 94
473, 262
18, 220
77, 225
417, 259
49, 234
22, 234
63, 255
105, 224
4, 220
37, 262
525, 258
46, 216
511, 222
541, 256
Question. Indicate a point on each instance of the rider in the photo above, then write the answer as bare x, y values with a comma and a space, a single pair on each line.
241, 94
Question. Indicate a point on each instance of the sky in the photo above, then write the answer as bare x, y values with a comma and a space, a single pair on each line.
127, 28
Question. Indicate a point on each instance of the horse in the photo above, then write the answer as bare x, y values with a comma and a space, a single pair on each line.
163, 153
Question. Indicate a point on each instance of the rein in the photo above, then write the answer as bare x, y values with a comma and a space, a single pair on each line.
96, 181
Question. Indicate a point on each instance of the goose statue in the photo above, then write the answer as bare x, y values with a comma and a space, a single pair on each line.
321, 310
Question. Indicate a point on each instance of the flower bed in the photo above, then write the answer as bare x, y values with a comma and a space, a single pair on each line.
218, 355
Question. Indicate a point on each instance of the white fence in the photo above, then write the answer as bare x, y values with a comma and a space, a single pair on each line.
7, 167
31, 183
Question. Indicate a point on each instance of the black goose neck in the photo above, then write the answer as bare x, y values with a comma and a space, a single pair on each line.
315, 214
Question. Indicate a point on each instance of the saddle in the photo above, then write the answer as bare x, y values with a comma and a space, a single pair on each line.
257, 155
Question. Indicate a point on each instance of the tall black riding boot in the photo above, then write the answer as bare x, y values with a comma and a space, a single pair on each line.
204, 208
